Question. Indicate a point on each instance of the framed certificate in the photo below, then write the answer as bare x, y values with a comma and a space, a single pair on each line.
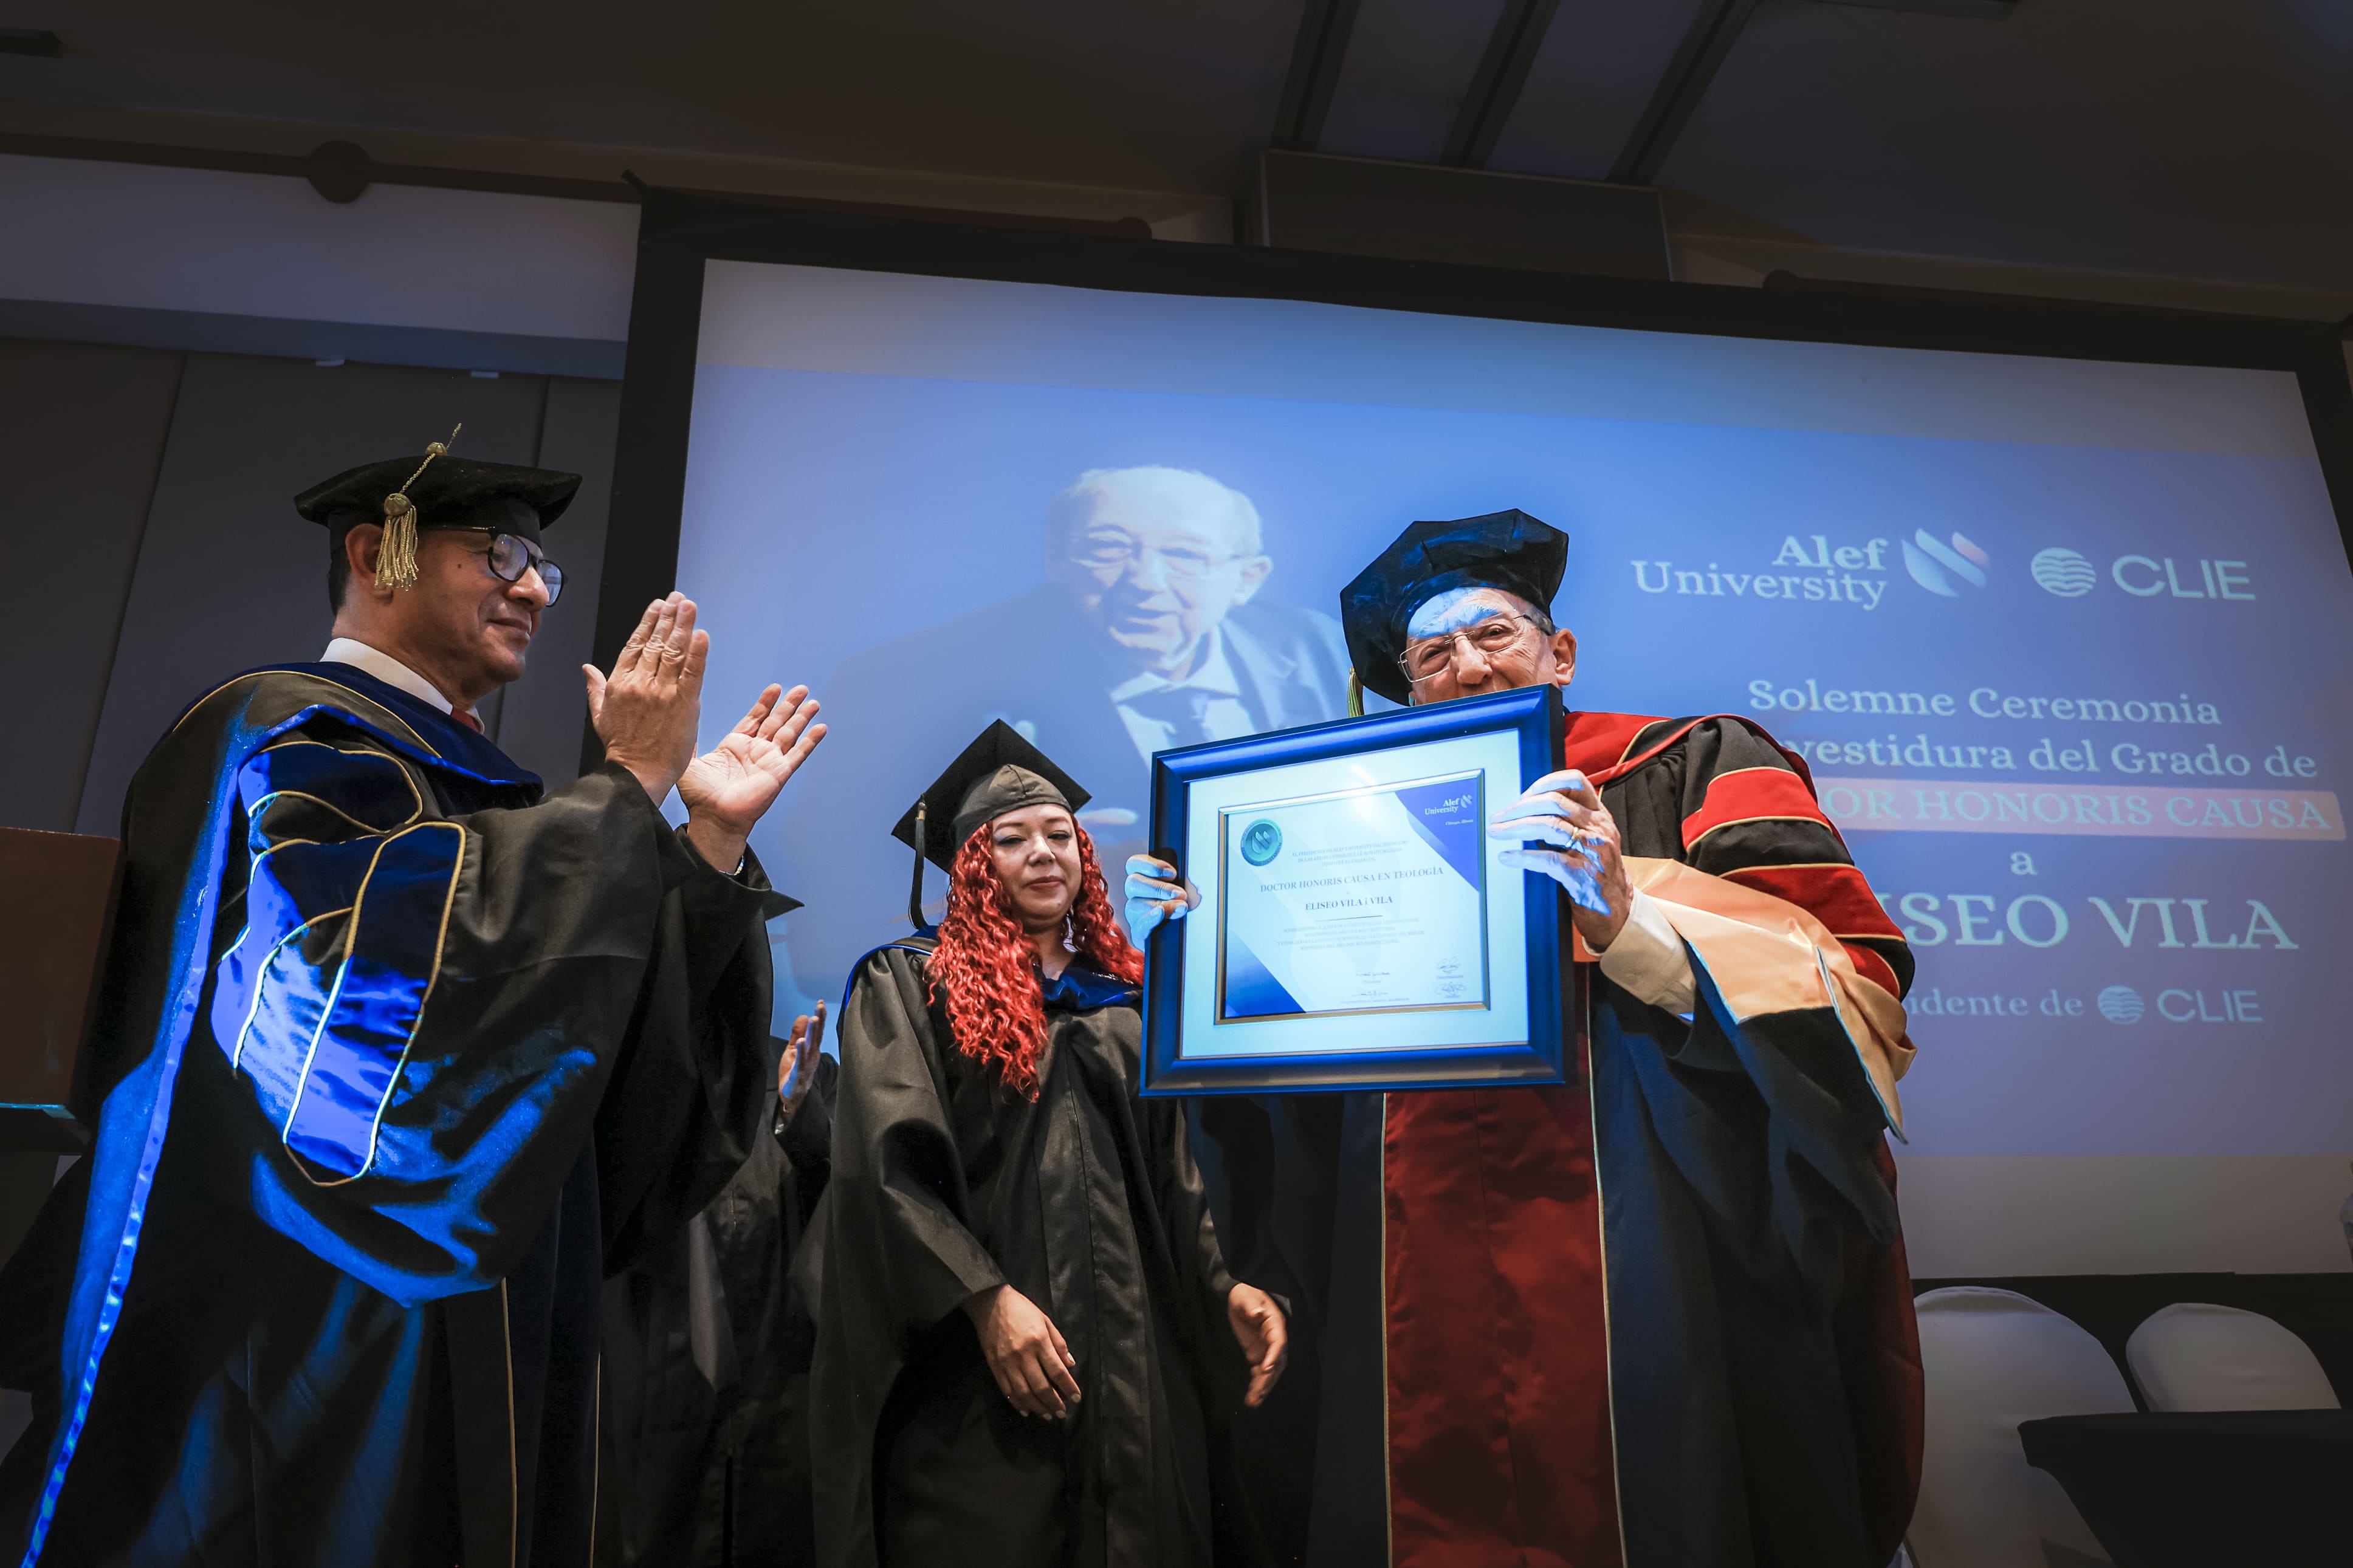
1356, 928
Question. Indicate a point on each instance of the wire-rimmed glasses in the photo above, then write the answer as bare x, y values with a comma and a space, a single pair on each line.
1492, 638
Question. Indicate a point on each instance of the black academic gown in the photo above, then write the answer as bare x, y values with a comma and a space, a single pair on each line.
1086, 1201
704, 1429
396, 1058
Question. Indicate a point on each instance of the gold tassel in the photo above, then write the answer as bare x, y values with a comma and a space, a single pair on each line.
1355, 696
395, 558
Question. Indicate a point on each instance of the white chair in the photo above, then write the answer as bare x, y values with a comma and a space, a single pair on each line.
1993, 1359
2194, 1355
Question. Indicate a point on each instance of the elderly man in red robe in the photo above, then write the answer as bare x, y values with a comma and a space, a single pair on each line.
1658, 1315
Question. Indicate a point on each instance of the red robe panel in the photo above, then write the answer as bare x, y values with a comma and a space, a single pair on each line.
1497, 1356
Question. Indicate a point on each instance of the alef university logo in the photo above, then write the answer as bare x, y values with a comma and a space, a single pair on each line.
1934, 566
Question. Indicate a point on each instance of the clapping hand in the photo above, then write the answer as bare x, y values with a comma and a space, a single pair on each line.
731, 785
1154, 893
646, 710
1563, 809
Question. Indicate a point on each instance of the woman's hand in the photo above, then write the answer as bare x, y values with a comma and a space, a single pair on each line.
793, 1080
1025, 1352
1264, 1335
1154, 893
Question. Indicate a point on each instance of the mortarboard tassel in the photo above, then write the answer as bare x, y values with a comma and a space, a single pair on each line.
915, 891
1355, 696
396, 558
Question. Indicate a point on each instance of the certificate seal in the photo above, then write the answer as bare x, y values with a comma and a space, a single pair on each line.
1261, 842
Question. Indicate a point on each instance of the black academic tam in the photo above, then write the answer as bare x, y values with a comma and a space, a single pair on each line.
999, 771
446, 492
1508, 550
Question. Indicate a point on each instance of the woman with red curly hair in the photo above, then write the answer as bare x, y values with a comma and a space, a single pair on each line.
1026, 1334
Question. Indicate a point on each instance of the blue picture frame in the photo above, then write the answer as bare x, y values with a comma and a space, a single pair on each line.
1556, 984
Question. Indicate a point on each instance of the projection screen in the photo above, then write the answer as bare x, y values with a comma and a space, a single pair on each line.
2063, 642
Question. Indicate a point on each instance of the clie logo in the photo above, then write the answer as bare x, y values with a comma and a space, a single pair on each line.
2121, 1004
2070, 575
2062, 571
1935, 566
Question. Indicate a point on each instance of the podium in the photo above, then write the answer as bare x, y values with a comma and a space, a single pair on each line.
58, 894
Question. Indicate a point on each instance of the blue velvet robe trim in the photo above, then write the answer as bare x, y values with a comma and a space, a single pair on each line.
1080, 989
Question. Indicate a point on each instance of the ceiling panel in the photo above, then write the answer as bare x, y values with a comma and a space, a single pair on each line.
1408, 68
2175, 137
1150, 93
1591, 81
2200, 138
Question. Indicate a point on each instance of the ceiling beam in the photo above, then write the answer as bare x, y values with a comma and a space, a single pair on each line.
1495, 86
1316, 55
1706, 43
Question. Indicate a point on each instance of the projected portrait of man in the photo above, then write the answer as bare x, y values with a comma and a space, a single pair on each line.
1158, 561
1148, 633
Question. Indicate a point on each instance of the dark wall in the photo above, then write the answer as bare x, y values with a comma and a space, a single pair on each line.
86, 428
147, 524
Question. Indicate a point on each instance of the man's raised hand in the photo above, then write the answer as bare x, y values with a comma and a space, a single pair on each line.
646, 709
1154, 893
731, 785
1563, 809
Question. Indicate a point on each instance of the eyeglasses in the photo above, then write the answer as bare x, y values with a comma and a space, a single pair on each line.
511, 556
1492, 638
1114, 552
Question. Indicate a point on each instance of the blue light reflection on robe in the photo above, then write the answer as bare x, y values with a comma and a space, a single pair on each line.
406, 1100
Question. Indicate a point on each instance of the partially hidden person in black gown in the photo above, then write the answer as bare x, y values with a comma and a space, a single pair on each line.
1027, 1339
703, 1430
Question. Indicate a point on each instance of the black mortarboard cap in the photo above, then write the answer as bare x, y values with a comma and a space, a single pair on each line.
452, 493
409, 498
999, 771
1506, 550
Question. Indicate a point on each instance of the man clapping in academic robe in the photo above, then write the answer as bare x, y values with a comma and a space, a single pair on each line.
397, 1055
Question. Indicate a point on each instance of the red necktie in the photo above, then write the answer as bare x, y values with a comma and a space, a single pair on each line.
466, 718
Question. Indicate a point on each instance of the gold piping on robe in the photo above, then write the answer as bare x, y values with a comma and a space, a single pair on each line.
334, 995
260, 986
254, 811
514, 1461
391, 720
